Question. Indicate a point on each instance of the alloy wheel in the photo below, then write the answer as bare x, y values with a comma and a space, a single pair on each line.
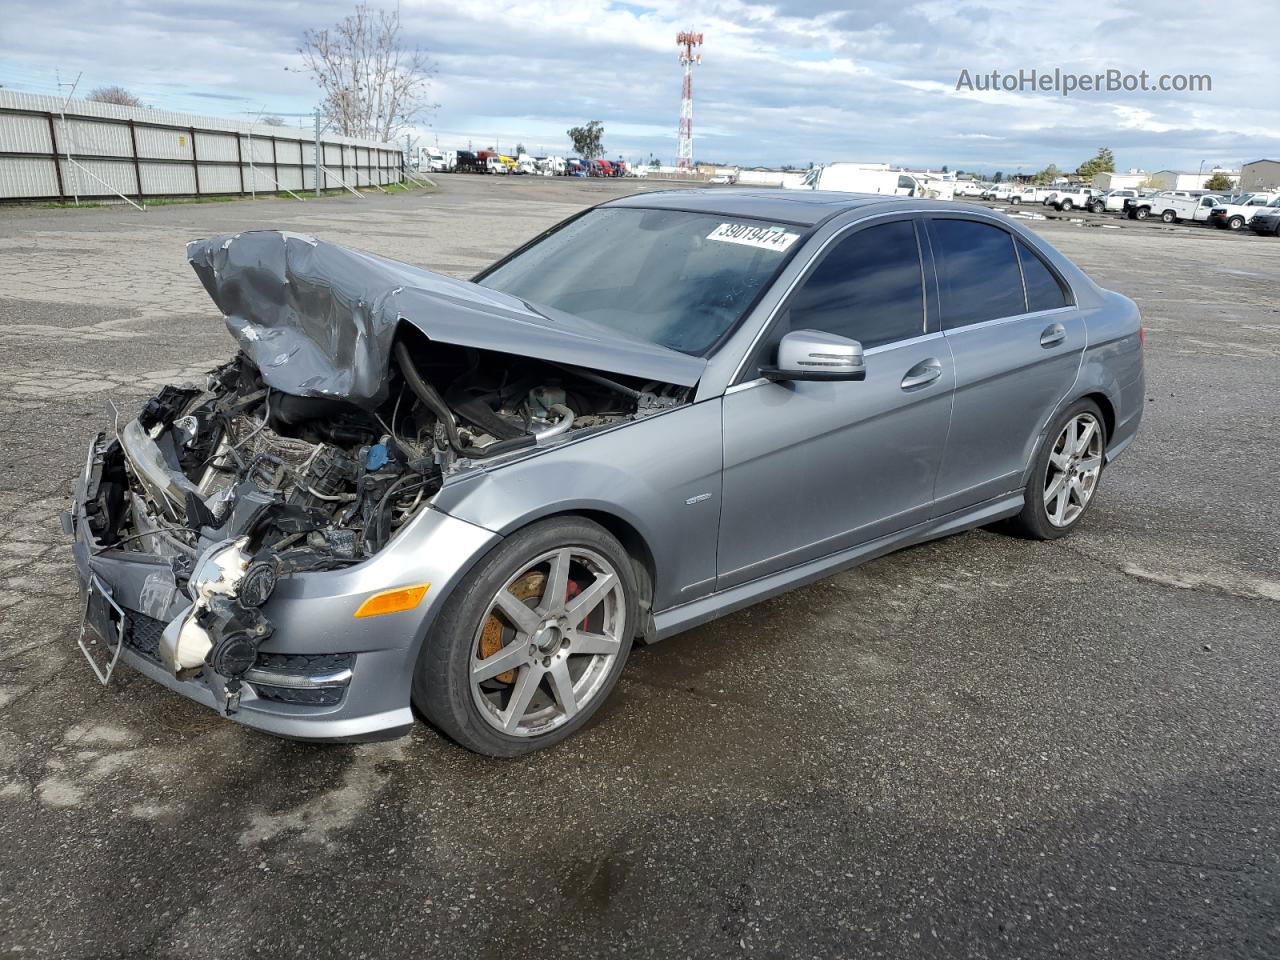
547, 643
1075, 463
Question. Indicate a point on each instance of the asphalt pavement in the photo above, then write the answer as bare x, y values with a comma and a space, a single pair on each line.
980, 747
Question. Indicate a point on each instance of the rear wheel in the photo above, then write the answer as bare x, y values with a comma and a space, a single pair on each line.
1066, 204
1168, 216
1065, 474
532, 641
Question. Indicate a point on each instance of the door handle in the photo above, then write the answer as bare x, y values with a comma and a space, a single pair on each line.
1053, 335
926, 371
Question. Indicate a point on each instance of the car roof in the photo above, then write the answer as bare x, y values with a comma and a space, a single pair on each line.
805, 208
801, 207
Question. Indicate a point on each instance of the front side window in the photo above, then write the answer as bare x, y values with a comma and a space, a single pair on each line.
978, 272
681, 280
869, 288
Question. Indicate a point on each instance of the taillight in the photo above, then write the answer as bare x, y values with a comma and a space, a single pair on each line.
1142, 336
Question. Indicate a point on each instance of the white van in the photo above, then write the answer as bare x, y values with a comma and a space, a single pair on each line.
858, 178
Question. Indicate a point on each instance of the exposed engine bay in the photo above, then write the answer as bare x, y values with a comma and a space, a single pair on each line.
314, 483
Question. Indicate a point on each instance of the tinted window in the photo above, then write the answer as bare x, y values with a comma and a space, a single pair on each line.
1043, 289
977, 272
869, 288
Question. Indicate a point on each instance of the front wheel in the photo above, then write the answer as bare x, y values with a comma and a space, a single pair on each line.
1065, 475
1141, 213
1097, 207
532, 641
1235, 223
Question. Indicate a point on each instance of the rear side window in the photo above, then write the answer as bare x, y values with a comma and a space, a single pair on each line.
1043, 290
977, 272
869, 288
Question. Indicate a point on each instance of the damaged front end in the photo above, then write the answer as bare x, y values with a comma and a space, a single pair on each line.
306, 456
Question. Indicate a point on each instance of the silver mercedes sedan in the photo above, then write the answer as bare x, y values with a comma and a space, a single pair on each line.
471, 498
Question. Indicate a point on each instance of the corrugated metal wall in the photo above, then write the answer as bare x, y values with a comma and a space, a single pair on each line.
101, 148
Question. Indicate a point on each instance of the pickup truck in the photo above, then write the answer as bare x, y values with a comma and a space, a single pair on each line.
1232, 213
1172, 206
1112, 201
1029, 194
1267, 220
1066, 198
999, 191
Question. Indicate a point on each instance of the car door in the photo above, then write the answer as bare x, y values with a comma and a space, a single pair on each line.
1016, 339
812, 468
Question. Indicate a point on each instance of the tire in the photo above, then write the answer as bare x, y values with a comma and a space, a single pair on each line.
1066, 204
1096, 207
1037, 520
1235, 223
482, 716
1015, 200
1141, 213
1168, 216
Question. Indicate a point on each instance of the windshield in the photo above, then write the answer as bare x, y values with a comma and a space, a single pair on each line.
670, 277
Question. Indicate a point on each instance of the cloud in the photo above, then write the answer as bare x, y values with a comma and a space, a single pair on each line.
787, 81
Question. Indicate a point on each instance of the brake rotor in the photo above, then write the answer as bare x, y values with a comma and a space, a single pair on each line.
494, 635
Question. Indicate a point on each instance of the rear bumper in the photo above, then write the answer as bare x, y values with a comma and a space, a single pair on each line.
355, 674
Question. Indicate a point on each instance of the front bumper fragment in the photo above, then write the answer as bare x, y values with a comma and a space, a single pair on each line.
314, 626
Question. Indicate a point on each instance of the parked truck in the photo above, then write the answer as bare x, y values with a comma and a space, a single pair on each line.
1172, 207
435, 160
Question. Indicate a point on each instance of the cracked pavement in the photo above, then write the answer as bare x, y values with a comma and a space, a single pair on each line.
979, 747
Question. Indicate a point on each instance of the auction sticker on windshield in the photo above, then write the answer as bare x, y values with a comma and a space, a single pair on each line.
750, 235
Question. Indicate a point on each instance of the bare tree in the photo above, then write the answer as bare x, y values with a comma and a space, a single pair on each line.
373, 85
116, 95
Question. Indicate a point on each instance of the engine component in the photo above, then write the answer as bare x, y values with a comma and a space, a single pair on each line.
238, 631
217, 572
258, 582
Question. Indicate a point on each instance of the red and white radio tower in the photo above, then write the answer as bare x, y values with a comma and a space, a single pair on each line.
690, 54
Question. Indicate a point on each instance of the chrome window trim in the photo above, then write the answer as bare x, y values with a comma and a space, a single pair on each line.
1000, 321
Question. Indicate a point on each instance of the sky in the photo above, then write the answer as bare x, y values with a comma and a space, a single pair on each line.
810, 81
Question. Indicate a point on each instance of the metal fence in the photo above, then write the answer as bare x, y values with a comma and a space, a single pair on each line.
51, 150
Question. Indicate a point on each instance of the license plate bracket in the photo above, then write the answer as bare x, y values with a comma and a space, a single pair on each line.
101, 629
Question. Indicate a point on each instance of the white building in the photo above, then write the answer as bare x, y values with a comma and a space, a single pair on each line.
1120, 181
1176, 180
1260, 175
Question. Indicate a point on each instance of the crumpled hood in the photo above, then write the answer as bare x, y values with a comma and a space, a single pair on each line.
319, 319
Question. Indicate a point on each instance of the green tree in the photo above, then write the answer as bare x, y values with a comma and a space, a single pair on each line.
999, 177
944, 169
1104, 161
1219, 181
1047, 175
586, 140
520, 149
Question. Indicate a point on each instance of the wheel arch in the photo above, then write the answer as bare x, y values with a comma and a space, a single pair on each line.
1106, 406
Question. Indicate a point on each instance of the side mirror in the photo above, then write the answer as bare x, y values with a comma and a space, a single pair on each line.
814, 355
